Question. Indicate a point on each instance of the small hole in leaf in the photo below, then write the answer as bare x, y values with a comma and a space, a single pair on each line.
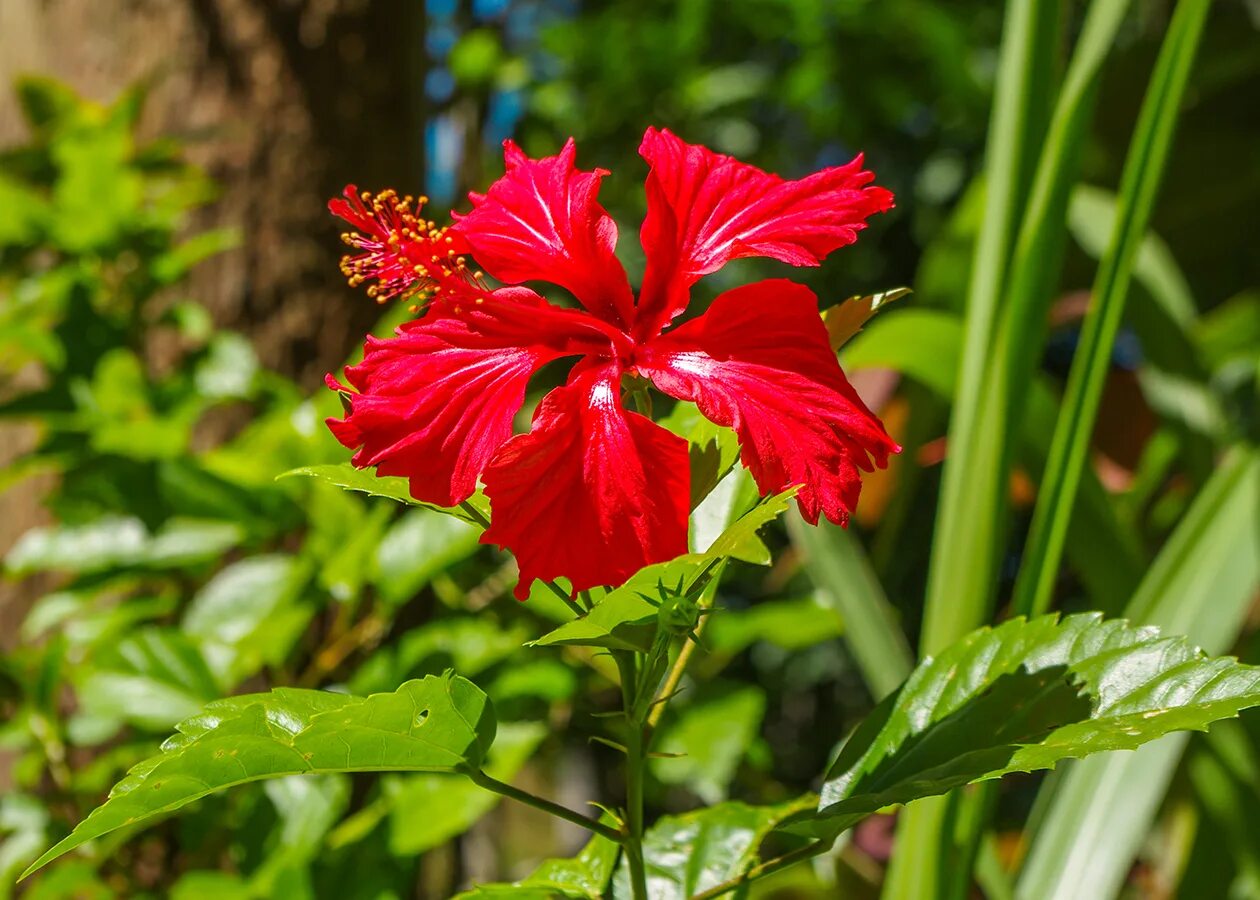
421, 716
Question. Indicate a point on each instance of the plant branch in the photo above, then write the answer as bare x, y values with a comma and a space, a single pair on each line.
481, 779
636, 759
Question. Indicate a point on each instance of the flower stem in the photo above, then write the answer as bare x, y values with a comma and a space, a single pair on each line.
636, 760
481, 779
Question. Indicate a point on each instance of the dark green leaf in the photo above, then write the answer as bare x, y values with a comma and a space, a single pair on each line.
1021, 697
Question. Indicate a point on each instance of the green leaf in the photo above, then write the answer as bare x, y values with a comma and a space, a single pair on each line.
624, 620
438, 724
248, 615
1069, 449
417, 547
585, 876
712, 734
392, 487
692, 852
117, 542
741, 540
428, 810
156, 677
1021, 697
1202, 584
846, 318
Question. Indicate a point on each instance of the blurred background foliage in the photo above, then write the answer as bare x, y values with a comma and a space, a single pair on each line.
169, 301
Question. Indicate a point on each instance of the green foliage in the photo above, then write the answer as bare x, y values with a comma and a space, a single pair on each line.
1021, 697
438, 724
178, 566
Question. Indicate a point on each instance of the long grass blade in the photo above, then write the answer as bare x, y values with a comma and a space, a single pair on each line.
997, 368
1143, 171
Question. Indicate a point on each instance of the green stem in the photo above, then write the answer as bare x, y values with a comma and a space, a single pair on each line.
636, 759
481, 779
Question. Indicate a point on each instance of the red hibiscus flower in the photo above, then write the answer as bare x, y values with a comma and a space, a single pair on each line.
594, 492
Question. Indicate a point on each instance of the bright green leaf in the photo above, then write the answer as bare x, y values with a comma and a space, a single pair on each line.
438, 724
392, 487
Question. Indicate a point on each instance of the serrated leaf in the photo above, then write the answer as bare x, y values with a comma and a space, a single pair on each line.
689, 853
624, 620
438, 724
391, 487
1022, 697
846, 318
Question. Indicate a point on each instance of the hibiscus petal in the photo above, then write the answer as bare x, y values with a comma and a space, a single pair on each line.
435, 402
758, 361
705, 208
593, 493
542, 221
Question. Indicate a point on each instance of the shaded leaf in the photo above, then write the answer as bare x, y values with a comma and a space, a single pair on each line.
846, 318
711, 734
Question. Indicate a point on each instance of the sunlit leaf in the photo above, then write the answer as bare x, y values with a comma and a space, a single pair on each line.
392, 487
439, 724
585, 876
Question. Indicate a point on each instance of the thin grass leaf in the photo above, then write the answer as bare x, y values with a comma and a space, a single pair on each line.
1143, 171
